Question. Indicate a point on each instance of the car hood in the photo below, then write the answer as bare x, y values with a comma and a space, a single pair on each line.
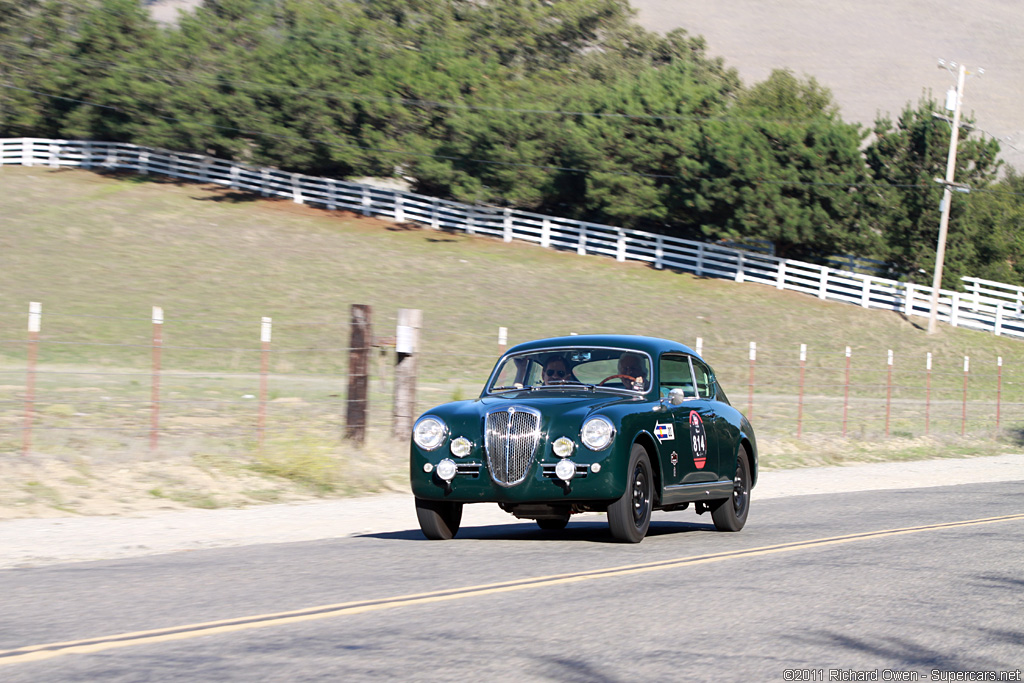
557, 409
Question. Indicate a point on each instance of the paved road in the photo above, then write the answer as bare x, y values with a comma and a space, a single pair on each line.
809, 584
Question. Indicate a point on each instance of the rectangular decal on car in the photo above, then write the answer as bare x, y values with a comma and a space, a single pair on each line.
664, 432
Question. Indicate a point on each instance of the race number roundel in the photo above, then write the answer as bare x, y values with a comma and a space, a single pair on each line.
698, 439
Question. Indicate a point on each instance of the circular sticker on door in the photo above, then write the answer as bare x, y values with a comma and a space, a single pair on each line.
698, 439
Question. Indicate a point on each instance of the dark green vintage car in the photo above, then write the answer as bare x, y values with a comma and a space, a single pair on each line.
617, 424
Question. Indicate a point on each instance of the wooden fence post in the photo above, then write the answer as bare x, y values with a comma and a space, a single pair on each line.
358, 372
407, 342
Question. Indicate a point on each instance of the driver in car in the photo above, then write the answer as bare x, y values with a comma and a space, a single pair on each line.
632, 366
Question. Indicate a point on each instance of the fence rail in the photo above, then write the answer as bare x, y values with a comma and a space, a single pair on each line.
985, 305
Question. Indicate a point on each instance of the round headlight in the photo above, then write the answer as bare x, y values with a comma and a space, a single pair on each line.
562, 447
429, 433
597, 433
461, 447
565, 469
446, 469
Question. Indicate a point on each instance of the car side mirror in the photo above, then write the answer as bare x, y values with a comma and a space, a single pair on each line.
676, 396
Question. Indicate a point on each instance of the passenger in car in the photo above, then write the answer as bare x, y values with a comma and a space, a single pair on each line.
556, 371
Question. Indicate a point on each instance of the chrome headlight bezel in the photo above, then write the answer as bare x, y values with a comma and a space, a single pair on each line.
597, 433
563, 447
429, 432
461, 447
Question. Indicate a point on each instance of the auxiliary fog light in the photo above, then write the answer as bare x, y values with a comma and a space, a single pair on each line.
565, 470
446, 469
562, 447
461, 447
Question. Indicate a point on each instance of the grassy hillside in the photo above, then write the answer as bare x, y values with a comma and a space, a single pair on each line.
98, 251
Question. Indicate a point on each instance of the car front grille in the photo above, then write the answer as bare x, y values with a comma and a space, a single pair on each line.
511, 439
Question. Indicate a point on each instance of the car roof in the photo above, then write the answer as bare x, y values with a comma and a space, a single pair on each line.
650, 345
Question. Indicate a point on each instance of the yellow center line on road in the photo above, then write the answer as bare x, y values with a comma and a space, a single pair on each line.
35, 653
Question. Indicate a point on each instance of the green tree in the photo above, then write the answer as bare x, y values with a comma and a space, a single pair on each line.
907, 156
783, 167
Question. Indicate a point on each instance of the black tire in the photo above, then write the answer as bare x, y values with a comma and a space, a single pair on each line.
630, 516
439, 519
730, 514
556, 524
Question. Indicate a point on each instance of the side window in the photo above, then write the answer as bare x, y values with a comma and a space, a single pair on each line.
705, 384
675, 374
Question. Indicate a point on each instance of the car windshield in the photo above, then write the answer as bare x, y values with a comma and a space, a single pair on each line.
573, 367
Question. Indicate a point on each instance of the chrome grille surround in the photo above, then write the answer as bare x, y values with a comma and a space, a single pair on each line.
511, 436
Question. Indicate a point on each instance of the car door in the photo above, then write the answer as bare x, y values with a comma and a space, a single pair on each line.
705, 421
681, 430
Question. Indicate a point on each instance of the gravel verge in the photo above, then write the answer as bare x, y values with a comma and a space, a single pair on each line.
39, 542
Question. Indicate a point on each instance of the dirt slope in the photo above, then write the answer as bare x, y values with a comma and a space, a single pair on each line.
875, 55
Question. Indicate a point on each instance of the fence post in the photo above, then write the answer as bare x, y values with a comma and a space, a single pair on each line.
659, 252
620, 245
846, 391
399, 209
750, 388
999, 319
471, 222
999, 390
908, 299
865, 294
928, 395
406, 349
158, 342
332, 197
435, 223
545, 233
888, 394
963, 417
35, 316
367, 199
581, 246
700, 346
800, 399
780, 276
502, 340
700, 260
506, 226
739, 266
361, 338
265, 333
954, 308
297, 189
823, 283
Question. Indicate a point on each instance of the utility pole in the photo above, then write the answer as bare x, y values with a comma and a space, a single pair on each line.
947, 192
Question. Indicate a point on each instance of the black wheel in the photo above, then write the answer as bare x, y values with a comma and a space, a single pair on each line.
730, 514
439, 519
553, 524
630, 516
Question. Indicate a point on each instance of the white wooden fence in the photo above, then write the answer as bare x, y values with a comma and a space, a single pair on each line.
986, 305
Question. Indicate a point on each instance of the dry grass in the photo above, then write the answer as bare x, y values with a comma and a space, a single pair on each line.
112, 247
